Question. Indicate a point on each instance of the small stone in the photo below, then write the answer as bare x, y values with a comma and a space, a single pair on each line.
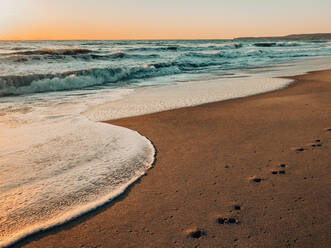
195, 233
227, 221
232, 220
221, 220
257, 180
236, 207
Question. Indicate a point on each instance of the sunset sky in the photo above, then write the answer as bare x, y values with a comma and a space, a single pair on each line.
156, 19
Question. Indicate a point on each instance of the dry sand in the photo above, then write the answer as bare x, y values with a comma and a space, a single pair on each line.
201, 192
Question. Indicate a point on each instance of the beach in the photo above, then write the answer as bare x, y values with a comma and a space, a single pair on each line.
247, 172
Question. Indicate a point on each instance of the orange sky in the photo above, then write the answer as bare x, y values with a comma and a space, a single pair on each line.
156, 19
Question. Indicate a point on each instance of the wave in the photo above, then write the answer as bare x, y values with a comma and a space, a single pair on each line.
30, 56
93, 43
121, 55
226, 46
184, 65
277, 44
104, 67
144, 49
319, 41
203, 55
288, 44
265, 44
19, 48
187, 48
222, 55
80, 79
38, 83
53, 51
239, 45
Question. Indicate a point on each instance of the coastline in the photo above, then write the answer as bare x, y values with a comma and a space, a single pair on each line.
233, 140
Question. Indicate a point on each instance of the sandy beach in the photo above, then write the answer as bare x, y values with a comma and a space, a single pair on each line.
249, 172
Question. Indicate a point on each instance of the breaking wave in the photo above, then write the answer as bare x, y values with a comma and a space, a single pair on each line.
37, 83
277, 44
68, 54
50, 51
77, 65
187, 48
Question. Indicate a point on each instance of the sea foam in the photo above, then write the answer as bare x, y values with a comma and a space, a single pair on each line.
55, 166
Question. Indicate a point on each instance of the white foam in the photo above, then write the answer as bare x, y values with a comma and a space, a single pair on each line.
55, 166
159, 98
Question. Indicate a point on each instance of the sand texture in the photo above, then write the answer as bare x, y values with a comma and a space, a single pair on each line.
250, 172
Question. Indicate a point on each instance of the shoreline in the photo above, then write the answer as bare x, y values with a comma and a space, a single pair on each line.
160, 98
162, 225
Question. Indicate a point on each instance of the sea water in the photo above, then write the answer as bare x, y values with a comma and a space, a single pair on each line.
57, 160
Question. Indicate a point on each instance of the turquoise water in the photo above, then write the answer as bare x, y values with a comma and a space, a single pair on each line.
45, 66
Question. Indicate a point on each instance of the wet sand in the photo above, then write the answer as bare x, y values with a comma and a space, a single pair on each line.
250, 172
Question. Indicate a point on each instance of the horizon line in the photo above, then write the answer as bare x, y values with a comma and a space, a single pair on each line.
168, 39
165, 39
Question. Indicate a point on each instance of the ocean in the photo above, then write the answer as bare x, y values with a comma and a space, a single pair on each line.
58, 160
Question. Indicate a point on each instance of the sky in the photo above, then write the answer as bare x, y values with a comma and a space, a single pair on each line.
156, 19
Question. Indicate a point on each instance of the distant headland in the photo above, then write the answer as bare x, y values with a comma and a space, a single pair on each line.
317, 36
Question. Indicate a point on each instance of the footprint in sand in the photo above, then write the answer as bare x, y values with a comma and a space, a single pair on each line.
299, 149
278, 172
281, 171
227, 220
195, 233
237, 207
256, 179
316, 144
